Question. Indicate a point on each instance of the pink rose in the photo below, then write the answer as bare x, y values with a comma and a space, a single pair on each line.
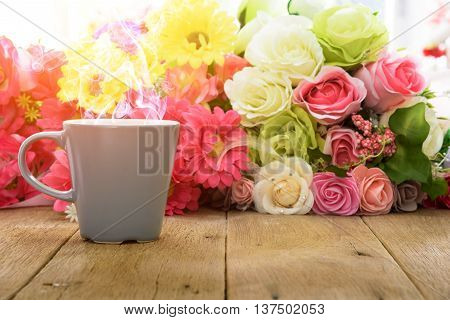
390, 81
341, 144
375, 189
9, 75
242, 193
332, 96
335, 195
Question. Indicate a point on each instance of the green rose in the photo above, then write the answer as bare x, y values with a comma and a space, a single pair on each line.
349, 35
249, 9
290, 133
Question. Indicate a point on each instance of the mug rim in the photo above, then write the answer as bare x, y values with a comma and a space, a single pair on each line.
120, 122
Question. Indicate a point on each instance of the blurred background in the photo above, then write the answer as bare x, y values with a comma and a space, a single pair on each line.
420, 27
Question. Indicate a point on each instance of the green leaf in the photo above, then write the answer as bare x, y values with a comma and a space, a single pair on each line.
446, 143
409, 162
338, 171
435, 188
427, 93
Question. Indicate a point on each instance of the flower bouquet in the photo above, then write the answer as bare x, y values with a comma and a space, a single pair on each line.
285, 110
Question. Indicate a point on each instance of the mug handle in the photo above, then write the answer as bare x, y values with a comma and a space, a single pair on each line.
28, 176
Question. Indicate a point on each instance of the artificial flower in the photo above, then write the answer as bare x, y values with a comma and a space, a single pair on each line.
287, 47
144, 103
441, 202
407, 196
71, 213
11, 117
124, 34
435, 139
9, 75
99, 75
390, 81
54, 112
257, 95
216, 198
242, 193
231, 65
335, 195
284, 187
373, 141
193, 85
59, 178
309, 8
251, 9
332, 96
249, 30
13, 187
40, 70
375, 189
341, 144
349, 34
291, 133
181, 197
215, 147
195, 32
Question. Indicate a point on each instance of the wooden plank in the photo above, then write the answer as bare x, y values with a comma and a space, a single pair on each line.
28, 240
309, 257
420, 243
186, 263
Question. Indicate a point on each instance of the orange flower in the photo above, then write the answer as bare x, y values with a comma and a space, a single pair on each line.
232, 64
376, 190
194, 85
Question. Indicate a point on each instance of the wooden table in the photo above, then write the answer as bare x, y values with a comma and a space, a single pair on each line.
217, 255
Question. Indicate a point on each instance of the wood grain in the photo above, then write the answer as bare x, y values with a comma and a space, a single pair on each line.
188, 262
28, 240
420, 243
310, 257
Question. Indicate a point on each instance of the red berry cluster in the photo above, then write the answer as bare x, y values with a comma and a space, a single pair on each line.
370, 142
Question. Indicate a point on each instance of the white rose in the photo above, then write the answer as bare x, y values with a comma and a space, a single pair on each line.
433, 143
249, 30
287, 47
257, 95
284, 187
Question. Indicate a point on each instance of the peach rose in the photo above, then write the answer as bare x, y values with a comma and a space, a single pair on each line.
341, 145
375, 189
390, 81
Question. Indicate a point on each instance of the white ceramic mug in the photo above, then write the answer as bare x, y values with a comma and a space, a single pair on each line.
120, 172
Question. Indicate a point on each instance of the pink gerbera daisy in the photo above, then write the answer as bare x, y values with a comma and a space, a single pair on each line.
58, 178
182, 196
216, 150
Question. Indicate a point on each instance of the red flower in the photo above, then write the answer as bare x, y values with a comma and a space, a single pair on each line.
11, 117
13, 187
442, 202
9, 76
40, 71
232, 64
54, 112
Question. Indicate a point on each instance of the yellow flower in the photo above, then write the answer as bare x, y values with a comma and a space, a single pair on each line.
32, 113
98, 74
24, 100
193, 31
